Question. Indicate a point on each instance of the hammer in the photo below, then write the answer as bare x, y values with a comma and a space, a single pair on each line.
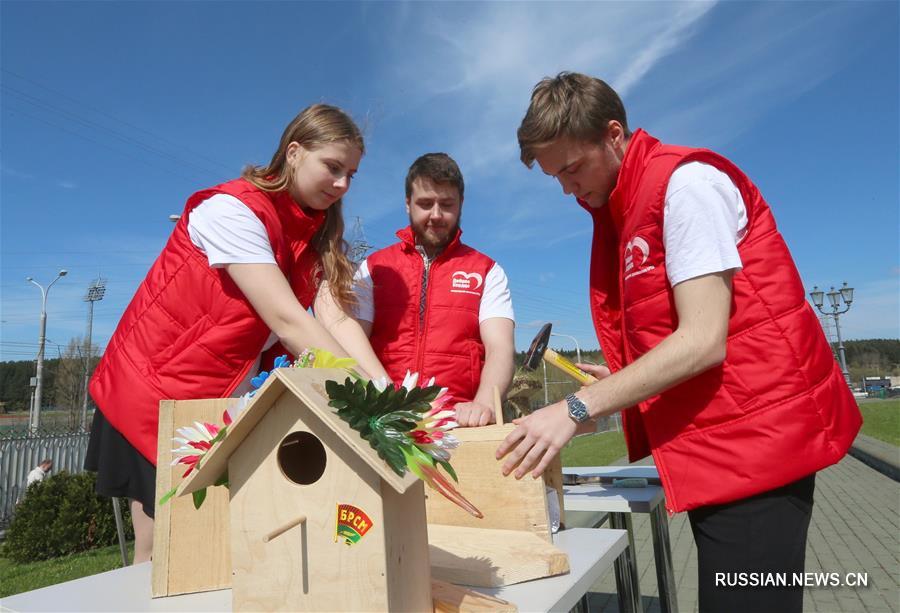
539, 351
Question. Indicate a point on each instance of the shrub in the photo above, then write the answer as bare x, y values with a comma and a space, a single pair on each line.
62, 515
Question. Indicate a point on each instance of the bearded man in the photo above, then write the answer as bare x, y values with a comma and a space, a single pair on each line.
431, 304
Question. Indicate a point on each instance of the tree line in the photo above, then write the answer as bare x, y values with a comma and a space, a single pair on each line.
64, 374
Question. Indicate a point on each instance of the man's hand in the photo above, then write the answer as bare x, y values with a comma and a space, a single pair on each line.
536, 440
471, 414
598, 371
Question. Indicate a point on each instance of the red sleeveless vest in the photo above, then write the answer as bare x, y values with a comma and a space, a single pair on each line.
443, 339
778, 408
189, 332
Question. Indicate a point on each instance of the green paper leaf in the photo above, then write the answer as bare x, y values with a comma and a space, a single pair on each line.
199, 496
446, 465
222, 480
220, 435
167, 496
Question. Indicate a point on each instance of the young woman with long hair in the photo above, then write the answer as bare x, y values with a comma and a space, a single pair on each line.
234, 280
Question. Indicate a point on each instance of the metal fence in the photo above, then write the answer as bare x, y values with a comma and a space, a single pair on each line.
21, 452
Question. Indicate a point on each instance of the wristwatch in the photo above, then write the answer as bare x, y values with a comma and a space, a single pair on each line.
577, 410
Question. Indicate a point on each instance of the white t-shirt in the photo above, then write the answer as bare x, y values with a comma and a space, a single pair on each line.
496, 300
36, 474
226, 231
705, 218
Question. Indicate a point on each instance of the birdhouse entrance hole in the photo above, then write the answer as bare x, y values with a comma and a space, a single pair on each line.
301, 457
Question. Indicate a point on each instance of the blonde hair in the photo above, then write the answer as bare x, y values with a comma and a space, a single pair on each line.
315, 126
570, 105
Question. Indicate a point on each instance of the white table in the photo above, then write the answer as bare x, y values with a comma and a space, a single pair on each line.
615, 472
591, 553
620, 503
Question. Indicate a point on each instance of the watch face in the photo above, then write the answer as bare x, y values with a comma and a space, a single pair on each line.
577, 410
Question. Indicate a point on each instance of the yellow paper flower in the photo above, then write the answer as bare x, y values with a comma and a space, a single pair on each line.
326, 359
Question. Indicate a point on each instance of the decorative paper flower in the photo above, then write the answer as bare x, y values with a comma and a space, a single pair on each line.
432, 432
257, 381
195, 443
408, 427
326, 359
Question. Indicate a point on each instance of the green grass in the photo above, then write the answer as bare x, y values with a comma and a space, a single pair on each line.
18, 578
595, 450
881, 420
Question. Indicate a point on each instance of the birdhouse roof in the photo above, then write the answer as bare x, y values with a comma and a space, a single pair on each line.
308, 386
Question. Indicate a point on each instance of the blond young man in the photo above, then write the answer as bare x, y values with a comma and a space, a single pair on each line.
717, 362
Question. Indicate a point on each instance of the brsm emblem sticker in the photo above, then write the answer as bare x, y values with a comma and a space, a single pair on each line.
352, 524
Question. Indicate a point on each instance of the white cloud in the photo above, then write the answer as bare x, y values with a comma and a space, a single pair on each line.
12, 172
774, 53
480, 63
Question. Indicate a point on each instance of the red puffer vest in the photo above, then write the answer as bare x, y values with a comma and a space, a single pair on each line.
777, 409
189, 332
441, 338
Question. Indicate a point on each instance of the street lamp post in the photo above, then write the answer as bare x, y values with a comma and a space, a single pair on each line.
39, 388
574, 340
95, 292
835, 297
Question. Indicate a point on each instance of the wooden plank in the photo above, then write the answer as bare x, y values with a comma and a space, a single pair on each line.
449, 598
191, 547
498, 407
493, 432
491, 558
408, 571
553, 478
506, 503
161, 525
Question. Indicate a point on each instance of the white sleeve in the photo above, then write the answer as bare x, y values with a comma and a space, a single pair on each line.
362, 287
228, 232
704, 220
496, 300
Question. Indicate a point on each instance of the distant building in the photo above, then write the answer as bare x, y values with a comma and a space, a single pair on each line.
876, 384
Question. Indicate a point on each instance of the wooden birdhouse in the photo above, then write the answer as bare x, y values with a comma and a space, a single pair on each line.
318, 521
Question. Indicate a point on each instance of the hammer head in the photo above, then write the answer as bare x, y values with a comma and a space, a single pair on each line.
538, 347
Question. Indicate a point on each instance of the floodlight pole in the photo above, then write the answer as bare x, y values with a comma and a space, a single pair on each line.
95, 292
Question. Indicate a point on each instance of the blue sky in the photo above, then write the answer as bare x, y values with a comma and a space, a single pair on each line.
114, 112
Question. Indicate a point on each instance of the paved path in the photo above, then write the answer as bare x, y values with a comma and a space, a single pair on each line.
854, 528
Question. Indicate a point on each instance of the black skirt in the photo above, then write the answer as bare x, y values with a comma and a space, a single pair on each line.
121, 469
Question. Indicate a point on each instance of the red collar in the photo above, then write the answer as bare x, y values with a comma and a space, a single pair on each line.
300, 223
639, 148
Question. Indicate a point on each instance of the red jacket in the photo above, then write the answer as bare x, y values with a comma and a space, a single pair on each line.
778, 408
440, 338
189, 332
